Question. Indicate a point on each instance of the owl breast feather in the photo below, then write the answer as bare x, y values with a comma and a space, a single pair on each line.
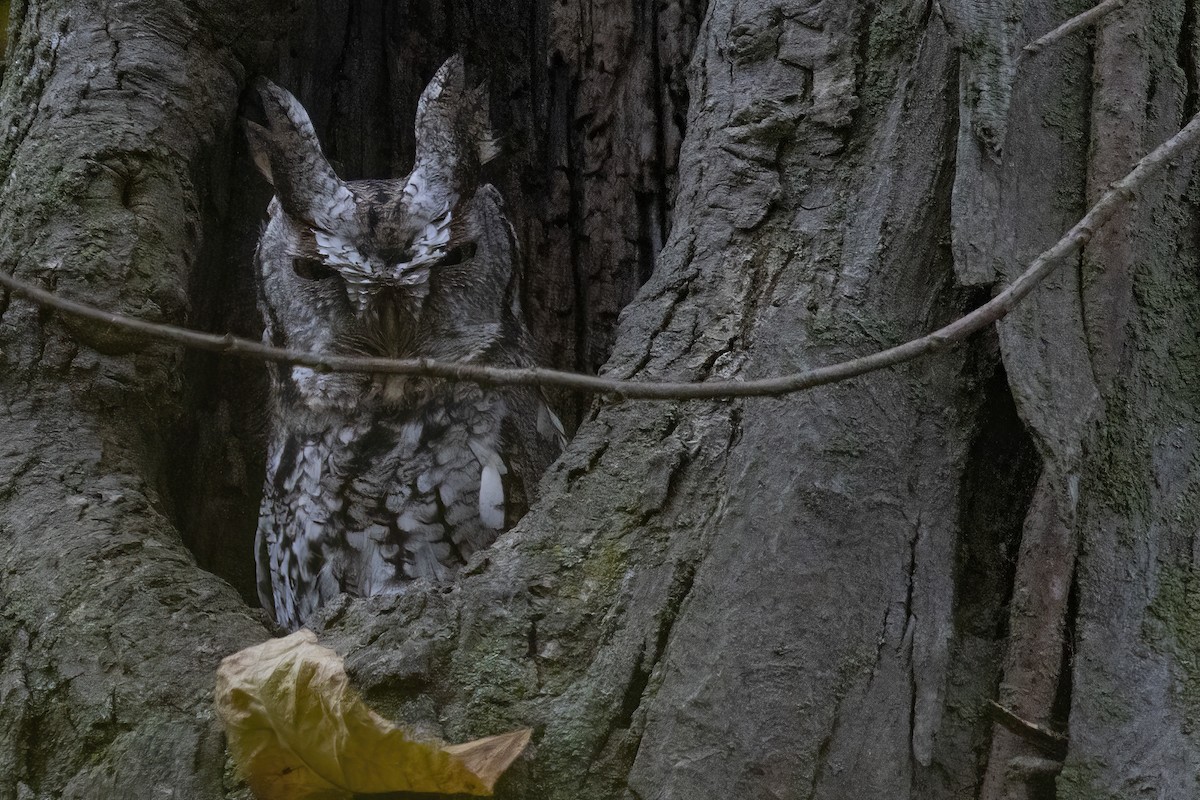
368, 507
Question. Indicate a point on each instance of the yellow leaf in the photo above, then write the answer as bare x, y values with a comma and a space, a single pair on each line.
298, 731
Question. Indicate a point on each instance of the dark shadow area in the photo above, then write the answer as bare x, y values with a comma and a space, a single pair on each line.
219, 454
997, 488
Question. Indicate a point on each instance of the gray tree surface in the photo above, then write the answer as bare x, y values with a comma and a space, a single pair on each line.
808, 597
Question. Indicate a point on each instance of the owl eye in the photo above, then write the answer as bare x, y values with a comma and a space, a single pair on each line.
311, 269
457, 255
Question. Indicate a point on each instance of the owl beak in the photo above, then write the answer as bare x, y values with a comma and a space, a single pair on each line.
387, 317
367, 277
367, 295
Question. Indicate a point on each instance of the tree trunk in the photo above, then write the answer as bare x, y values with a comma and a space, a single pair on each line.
116, 117
815, 596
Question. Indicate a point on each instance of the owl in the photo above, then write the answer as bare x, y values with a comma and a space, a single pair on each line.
376, 481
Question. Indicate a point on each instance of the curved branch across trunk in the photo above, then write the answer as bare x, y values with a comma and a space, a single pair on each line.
815, 596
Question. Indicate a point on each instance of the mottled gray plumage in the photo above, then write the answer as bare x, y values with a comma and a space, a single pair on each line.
375, 481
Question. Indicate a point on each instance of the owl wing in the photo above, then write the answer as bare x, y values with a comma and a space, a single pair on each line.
300, 546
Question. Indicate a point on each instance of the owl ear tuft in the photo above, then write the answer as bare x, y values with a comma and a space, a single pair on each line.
453, 130
288, 154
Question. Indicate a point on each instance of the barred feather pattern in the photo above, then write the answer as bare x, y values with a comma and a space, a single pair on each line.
375, 501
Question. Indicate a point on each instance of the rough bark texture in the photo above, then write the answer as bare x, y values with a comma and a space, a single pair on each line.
809, 597
108, 633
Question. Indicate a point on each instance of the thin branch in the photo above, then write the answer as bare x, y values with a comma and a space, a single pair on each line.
1120, 193
1044, 738
1089, 17
1030, 767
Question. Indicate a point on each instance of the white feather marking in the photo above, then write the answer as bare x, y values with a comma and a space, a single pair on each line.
360, 273
409, 523
415, 187
312, 468
425, 564
339, 211
491, 498
410, 434
438, 231
491, 488
373, 572
410, 275
550, 426
340, 253
428, 196
317, 389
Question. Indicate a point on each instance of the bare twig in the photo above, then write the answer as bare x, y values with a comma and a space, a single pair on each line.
1045, 738
1030, 767
1120, 193
1089, 17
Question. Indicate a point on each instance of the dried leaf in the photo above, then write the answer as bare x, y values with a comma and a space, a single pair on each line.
487, 758
298, 731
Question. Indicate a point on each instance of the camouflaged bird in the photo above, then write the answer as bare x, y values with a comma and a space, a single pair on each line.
375, 481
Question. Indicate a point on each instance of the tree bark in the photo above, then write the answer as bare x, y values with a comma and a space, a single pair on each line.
114, 117
814, 596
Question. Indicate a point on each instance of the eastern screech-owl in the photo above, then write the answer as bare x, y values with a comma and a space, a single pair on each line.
374, 481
